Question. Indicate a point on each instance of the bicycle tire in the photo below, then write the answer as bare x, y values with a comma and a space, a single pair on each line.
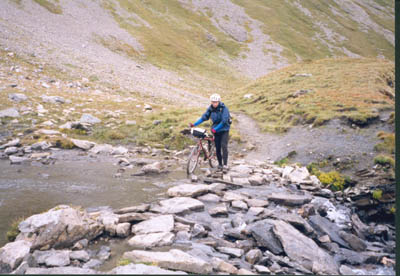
193, 160
212, 160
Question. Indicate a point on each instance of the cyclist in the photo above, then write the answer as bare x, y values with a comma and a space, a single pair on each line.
220, 118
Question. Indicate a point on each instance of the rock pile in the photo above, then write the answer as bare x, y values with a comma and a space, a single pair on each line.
259, 219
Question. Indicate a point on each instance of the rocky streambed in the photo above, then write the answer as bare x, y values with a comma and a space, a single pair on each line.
257, 218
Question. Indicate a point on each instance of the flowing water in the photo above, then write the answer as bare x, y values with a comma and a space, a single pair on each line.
75, 179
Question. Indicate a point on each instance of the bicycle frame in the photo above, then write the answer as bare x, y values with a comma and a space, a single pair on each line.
201, 147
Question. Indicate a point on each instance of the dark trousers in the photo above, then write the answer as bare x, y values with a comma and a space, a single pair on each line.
221, 143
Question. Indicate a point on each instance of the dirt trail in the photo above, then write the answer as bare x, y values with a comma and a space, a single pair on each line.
251, 133
335, 139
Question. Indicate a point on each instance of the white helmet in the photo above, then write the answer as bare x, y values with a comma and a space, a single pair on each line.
215, 98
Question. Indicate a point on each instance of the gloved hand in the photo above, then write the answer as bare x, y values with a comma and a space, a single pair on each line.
213, 131
191, 125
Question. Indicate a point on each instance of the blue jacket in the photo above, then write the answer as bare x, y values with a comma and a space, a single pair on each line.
219, 117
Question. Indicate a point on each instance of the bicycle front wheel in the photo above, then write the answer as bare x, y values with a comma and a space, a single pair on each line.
193, 160
212, 159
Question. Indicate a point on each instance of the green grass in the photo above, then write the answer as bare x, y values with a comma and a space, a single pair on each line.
338, 88
50, 6
13, 232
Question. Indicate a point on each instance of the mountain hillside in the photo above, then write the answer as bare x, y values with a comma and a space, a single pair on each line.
311, 93
177, 49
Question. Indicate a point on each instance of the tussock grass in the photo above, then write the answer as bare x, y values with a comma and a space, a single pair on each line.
384, 160
337, 88
388, 142
13, 232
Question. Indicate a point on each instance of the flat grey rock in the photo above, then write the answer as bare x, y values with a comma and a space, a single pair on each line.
60, 270
152, 240
164, 223
289, 199
188, 190
304, 250
174, 259
136, 269
179, 205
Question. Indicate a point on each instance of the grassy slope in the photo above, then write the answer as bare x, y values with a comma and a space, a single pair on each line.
339, 88
292, 29
177, 40
114, 107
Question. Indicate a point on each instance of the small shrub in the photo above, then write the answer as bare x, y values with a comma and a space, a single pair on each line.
332, 179
74, 131
384, 160
64, 143
116, 135
313, 169
377, 194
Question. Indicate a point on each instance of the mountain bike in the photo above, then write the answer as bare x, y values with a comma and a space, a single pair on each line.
205, 146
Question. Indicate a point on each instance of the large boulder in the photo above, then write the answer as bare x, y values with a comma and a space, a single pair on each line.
139, 269
304, 250
325, 227
263, 234
174, 259
190, 190
179, 205
12, 254
59, 227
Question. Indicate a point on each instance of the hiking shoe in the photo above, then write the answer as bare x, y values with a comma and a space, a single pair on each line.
225, 168
220, 168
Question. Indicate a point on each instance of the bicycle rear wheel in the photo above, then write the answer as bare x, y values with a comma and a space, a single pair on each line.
193, 160
212, 160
